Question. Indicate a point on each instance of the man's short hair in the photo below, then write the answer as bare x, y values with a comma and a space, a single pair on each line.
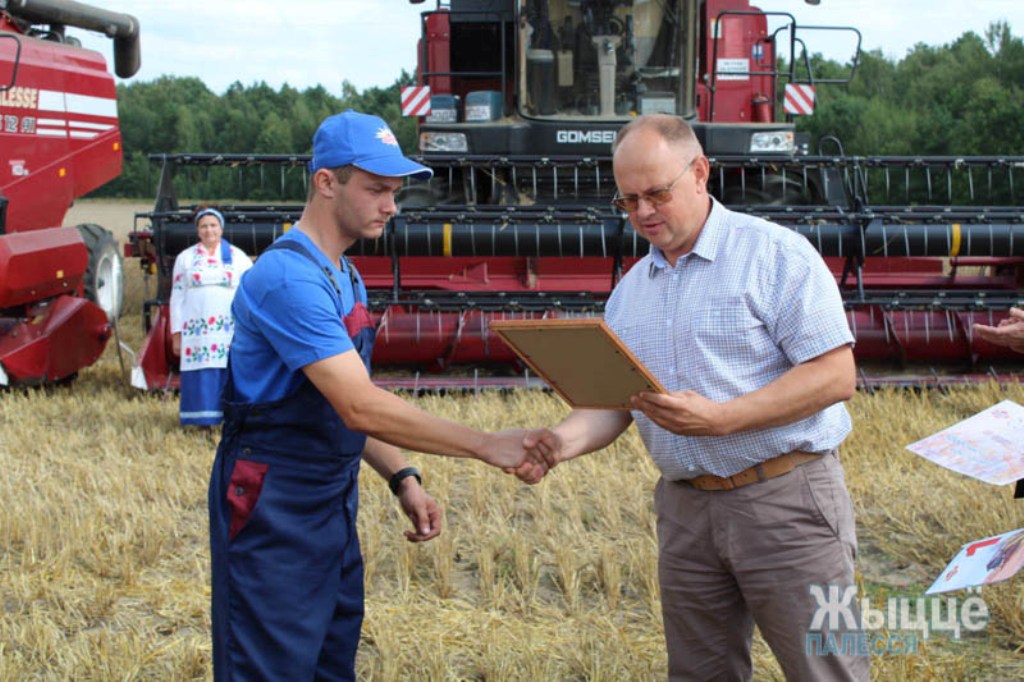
342, 174
672, 129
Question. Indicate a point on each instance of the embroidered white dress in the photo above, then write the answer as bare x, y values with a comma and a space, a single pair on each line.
202, 289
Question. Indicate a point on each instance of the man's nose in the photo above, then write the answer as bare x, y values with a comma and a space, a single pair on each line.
644, 206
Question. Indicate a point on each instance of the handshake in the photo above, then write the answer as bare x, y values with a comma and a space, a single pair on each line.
527, 453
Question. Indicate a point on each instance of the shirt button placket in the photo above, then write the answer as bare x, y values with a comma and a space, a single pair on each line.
677, 286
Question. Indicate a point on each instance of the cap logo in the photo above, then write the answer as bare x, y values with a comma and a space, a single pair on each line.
387, 137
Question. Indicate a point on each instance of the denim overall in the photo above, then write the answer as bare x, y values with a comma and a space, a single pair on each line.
287, 569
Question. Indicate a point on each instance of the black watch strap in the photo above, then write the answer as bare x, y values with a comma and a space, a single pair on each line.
402, 474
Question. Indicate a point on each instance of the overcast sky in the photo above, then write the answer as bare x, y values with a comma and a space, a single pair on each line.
369, 42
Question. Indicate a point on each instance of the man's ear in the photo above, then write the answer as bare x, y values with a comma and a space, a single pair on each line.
702, 171
323, 181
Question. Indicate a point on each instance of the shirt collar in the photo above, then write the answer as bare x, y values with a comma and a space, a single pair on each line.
709, 242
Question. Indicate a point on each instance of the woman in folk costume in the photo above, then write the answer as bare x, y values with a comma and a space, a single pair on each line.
206, 276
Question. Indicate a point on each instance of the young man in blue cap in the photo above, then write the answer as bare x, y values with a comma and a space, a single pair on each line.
300, 412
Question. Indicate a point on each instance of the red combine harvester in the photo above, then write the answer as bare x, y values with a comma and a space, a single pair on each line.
518, 103
61, 288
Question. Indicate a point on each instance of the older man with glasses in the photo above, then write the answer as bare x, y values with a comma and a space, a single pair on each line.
743, 323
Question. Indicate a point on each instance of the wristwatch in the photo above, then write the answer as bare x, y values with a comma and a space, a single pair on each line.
396, 478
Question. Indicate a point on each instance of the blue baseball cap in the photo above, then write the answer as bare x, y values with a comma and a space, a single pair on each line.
363, 141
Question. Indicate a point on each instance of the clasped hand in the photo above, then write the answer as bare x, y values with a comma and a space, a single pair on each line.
682, 412
527, 453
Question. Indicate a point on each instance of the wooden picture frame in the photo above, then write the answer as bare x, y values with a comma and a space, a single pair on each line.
580, 358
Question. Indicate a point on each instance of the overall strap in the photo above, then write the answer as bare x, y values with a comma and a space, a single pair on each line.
291, 245
353, 275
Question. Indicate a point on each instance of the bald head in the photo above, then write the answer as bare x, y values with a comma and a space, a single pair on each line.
660, 169
673, 129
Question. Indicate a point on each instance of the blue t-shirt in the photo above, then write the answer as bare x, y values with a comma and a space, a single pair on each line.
287, 315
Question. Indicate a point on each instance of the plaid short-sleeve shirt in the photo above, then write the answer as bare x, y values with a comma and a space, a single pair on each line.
749, 302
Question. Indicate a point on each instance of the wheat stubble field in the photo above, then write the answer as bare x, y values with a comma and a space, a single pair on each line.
104, 558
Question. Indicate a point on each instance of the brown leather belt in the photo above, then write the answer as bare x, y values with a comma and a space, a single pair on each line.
771, 468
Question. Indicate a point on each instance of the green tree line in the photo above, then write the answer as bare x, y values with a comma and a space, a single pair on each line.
964, 98
172, 115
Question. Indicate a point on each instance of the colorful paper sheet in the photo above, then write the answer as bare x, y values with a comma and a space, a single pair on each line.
988, 446
983, 562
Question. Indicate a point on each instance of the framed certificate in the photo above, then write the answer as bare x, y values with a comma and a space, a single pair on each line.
582, 359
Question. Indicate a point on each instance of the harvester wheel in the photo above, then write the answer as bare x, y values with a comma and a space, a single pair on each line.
416, 196
776, 191
104, 277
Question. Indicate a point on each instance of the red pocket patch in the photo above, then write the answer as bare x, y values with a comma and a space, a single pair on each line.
357, 320
243, 492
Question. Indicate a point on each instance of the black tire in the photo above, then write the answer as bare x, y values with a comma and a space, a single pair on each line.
777, 191
415, 196
104, 276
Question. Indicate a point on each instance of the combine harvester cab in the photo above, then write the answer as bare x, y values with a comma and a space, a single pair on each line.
61, 288
518, 103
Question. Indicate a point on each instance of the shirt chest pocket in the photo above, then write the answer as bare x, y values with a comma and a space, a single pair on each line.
725, 323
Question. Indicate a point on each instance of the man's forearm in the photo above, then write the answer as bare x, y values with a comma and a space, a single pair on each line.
585, 431
385, 459
343, 380
388, 418
804, 390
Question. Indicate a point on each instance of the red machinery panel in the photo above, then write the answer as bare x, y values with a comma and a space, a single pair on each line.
41, 264
159, 368
55, 341
506, 273
59, 133
439, 36
742, 50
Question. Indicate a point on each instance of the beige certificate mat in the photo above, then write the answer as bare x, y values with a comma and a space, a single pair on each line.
582, 359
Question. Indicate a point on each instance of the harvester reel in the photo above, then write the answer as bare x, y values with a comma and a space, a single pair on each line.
104, 276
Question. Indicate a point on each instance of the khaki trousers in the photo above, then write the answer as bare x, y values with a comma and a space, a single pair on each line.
730, 559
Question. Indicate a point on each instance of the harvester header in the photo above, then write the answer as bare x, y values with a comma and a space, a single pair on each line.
517, 104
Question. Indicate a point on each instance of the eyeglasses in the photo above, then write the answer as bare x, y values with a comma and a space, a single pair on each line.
655, 197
